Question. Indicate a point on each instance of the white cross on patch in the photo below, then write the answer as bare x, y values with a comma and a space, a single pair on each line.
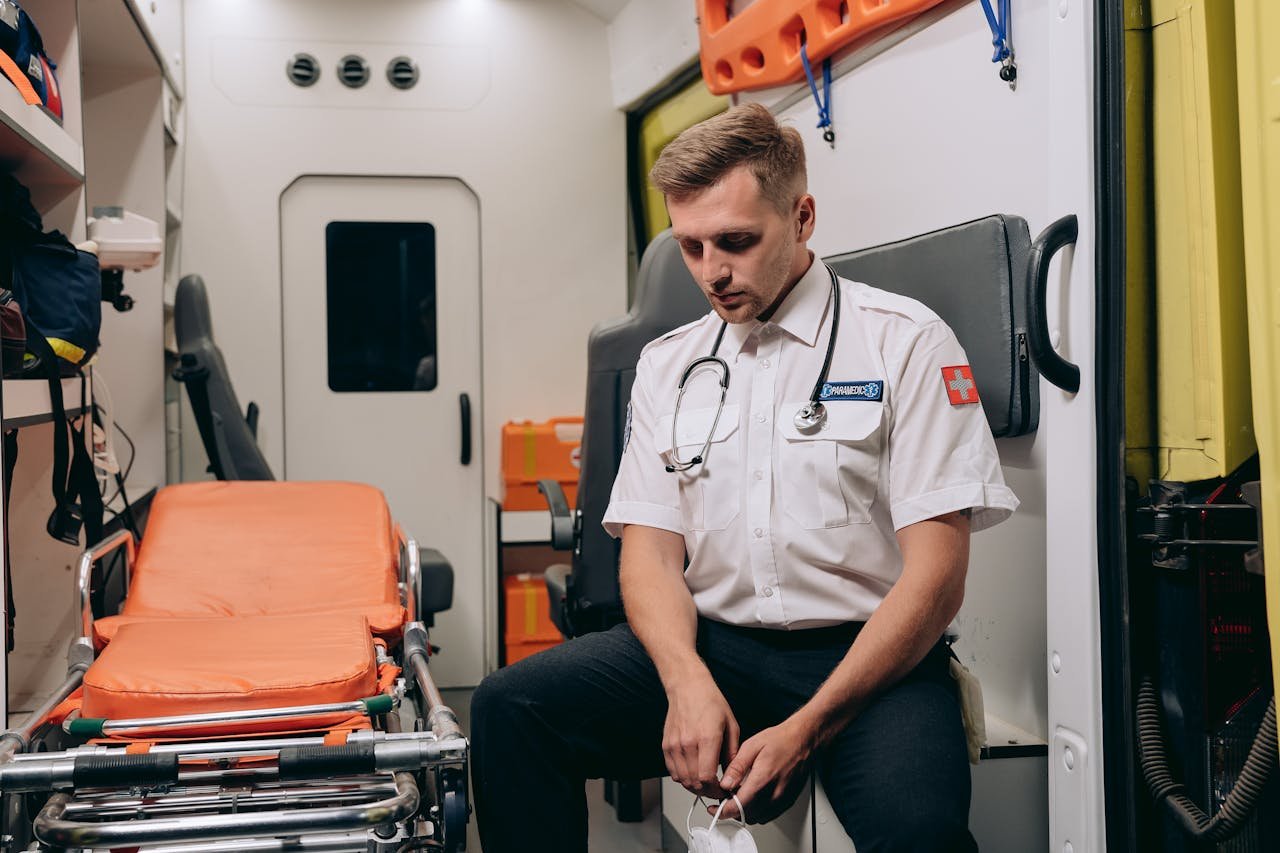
960, 384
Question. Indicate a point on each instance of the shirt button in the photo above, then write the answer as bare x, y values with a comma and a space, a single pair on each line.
767, 592
759, 475
759, 532
760, 418
765, 364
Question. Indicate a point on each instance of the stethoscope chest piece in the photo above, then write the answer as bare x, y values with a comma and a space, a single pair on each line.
811, 417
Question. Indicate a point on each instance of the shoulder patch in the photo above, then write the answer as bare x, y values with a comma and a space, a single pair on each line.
958, 382
626, 430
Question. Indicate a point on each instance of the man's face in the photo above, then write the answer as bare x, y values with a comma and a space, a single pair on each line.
742, 252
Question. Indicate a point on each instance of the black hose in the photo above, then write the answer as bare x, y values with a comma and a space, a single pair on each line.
1189, 816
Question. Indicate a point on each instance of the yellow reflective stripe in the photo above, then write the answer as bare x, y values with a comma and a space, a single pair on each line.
530, 609
66, 350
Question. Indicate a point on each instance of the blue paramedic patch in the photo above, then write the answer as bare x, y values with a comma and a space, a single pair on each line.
870, 390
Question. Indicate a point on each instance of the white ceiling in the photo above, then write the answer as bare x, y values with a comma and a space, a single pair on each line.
606, 10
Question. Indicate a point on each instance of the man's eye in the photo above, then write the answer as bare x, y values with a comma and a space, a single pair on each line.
736, 244
692, 248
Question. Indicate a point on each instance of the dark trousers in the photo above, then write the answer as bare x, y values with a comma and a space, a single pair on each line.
897, 777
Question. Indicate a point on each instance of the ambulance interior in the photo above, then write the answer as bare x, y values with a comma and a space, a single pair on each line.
371, 271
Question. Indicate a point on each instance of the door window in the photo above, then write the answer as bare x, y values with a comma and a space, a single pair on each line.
381, 297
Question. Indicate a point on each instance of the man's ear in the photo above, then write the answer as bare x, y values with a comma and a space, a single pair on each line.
806, 215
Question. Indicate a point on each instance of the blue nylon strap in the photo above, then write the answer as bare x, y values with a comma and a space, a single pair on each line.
999, 24
824, 100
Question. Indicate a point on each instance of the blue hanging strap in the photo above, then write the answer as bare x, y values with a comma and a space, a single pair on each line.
824, 100
1001, 39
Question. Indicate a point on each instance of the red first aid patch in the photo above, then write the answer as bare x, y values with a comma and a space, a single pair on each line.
958, 380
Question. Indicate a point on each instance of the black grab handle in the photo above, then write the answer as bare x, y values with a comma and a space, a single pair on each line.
464, 408
1052, 366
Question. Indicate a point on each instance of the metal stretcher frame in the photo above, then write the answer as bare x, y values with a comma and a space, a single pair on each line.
382, 790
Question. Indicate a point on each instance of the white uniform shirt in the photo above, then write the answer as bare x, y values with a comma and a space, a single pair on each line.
788, 530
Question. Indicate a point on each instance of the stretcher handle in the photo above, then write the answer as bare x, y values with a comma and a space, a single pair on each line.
52, 827
324, 762
1051, 365
97, 771
84, 574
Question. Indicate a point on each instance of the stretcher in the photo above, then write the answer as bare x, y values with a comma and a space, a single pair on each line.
265, 686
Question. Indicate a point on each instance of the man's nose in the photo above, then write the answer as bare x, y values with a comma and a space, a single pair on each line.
714, 268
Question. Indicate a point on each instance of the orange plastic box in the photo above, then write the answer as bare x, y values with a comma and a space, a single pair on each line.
529, 628
539, 451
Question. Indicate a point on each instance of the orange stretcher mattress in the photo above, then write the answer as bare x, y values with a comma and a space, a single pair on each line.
231, 664
265, 548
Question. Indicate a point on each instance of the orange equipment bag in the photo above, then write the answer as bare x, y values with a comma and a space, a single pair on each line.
540, 451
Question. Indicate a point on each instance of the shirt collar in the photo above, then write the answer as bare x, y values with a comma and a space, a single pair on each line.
800, 315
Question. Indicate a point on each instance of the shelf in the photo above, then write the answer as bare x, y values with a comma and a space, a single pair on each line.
26, 401
33, 145
1005, 740
532, 526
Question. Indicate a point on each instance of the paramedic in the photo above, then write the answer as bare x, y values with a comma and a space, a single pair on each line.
825, 562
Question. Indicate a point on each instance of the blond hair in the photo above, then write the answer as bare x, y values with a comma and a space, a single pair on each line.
746, 135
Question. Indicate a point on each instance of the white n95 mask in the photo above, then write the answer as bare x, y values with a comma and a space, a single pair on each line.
727, 836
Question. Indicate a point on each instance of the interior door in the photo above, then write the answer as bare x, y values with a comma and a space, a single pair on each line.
381, 339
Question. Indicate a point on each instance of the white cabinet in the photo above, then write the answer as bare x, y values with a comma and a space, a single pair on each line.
161, 24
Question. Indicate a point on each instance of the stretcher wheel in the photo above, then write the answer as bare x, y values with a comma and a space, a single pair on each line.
16, 823
455, 810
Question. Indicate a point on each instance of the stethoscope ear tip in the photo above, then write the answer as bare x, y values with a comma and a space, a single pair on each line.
671, 469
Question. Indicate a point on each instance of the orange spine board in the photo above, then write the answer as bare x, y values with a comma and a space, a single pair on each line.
760, 46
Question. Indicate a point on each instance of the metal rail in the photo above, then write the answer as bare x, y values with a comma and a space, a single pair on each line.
99, 728
439, 717
84, 574
53, 827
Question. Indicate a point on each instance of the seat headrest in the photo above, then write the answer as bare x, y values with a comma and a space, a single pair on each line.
666, 294
191, 322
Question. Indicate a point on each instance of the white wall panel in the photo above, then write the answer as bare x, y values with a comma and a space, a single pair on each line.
649, 41
540, 144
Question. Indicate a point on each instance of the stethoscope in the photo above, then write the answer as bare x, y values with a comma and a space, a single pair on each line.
809, 419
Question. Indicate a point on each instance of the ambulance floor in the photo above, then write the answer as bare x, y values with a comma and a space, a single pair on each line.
606, 834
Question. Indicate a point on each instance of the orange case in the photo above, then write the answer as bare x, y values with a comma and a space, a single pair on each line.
760, 46
529, 628
533, 452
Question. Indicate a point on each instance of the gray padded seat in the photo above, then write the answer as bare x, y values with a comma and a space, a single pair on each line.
584, 596
228, 434
974, 277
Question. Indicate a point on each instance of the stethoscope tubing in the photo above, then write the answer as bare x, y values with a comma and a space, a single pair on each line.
810, 417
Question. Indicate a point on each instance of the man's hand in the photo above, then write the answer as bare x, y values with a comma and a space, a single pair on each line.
770, 769
701, 734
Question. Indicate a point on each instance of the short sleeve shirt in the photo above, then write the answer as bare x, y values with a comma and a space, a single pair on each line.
785, 528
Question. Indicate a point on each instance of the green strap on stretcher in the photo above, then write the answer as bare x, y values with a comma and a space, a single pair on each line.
383, 703
86, 727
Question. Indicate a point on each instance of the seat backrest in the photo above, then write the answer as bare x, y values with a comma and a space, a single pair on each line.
973, 276
666, 297
228, 438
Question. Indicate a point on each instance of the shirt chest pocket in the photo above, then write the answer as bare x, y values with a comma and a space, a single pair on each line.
830, 478
709, 493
